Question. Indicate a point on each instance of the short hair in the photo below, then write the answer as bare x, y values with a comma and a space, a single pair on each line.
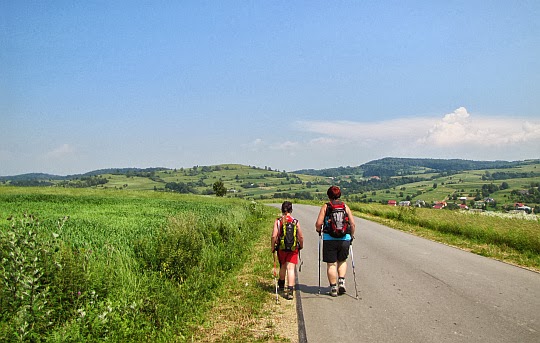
286, 207
333, 193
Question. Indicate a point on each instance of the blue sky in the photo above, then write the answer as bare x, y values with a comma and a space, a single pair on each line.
284, 84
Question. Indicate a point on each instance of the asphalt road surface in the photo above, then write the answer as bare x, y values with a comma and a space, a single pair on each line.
414, 290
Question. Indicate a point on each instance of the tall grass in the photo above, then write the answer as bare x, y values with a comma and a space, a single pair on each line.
123, 266
522, 236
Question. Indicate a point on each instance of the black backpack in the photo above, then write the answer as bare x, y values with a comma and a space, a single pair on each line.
336, 219
288, 238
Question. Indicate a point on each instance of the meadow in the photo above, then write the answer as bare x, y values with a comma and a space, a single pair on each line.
87, 265
241, 181
469, 183
260, 184
512, 238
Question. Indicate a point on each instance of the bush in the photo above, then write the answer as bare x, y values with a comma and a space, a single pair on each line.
38, 283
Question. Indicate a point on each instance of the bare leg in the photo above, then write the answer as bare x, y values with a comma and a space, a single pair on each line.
290, 273
331, 270
283, 271
342, 268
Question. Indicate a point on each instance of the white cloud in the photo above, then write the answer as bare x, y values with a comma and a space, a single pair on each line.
322, 141
458, 115
458, 134
287, 146
453, 128
60, 152
346, 131
255, 146
460, 127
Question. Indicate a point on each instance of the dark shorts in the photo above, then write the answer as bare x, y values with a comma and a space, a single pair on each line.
336, 251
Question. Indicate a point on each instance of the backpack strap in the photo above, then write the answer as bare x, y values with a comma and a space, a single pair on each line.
282, 221
280, 225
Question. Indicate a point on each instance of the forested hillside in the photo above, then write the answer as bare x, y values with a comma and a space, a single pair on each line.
392, 166
493, 185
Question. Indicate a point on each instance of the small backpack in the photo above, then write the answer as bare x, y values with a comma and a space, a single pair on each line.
288, 238
336, 219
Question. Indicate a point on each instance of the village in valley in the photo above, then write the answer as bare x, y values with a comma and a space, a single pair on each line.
479, 205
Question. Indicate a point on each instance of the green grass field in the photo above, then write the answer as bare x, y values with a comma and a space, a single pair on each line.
85, 265
251, 182
240, 181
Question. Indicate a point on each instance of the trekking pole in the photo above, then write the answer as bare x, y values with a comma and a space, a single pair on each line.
275, 278
301, 261
353, 271
320, 238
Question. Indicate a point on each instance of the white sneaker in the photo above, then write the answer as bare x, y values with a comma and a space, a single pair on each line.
289, 294
341, 286
333, 291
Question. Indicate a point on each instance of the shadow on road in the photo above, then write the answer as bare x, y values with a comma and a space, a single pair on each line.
325, 291
311, 289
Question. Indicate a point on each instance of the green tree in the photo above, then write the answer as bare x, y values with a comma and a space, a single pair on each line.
219, 188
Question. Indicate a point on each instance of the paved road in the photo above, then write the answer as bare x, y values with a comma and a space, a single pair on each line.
415, 290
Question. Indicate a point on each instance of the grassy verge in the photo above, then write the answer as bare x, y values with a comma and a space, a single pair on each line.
82, 266
512, 240
246, 310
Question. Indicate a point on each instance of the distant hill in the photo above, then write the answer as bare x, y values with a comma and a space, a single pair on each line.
331, 172
123, 171
385, 167
501, 184
48, 177
392, 166
32, 177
